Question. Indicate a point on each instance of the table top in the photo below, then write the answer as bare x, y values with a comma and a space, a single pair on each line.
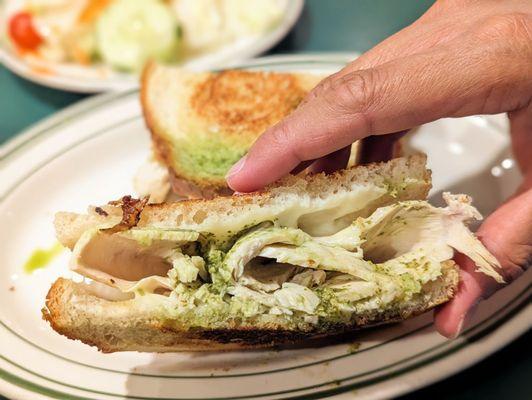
339, 25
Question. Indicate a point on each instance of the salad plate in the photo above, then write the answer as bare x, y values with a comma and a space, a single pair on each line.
80, 45
89, 153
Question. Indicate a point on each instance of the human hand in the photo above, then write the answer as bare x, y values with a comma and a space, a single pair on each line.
506, 233
462, 57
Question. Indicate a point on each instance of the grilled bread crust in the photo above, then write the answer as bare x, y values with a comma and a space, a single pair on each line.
186, 111
73, 311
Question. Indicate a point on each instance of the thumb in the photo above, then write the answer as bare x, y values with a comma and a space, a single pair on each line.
507, 234
388, 98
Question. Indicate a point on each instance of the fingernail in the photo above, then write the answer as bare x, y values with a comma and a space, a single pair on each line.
458, 328
466, 319
235, 169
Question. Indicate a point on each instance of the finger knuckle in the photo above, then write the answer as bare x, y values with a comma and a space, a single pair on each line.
280, 135
516, 262
323, 87
451, 5
513, 26
282, 138
352, 93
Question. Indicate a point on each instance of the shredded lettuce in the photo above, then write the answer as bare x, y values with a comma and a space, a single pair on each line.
309, 278
350, 289
289, 298
297, 297
317, 256
185, 269
249, 246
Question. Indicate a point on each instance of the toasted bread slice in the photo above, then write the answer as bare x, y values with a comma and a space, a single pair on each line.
402, 179
202, 123
137, 324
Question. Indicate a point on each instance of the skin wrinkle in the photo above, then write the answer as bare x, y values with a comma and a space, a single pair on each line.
514, 25
353, 92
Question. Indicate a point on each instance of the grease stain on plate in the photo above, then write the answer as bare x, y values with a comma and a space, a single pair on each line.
41, 258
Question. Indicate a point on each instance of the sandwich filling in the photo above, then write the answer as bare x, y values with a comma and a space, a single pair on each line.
272, 270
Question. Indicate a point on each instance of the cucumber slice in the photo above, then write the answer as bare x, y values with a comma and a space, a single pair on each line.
131, 32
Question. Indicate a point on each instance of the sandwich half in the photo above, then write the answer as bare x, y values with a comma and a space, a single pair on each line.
307, 258
201, 123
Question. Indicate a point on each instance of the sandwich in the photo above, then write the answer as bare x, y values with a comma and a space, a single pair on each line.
308, 258
201, 123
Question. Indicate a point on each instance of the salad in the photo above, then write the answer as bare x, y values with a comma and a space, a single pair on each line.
124, 34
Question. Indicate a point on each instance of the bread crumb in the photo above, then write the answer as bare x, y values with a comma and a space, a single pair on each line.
353, 347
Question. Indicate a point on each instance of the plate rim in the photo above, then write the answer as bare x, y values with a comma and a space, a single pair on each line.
17, 143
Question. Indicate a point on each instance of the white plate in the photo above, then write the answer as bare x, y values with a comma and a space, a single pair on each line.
88, 153
92, 79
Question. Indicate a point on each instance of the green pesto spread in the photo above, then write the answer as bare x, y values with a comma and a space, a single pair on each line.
40, 258
206, 158
207, 304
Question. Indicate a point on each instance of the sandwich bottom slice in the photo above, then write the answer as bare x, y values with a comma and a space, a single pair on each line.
306, 259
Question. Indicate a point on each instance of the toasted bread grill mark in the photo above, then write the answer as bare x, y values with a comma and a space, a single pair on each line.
238, 101
131, 209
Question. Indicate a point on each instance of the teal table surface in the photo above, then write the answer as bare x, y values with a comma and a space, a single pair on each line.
333, 25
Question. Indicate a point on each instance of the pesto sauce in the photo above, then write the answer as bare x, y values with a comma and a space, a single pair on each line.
40, 258
212, 304
206, 158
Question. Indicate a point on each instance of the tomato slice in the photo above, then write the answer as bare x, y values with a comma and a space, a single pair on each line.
23, 32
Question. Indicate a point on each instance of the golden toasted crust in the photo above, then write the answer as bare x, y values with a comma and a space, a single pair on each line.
231, 108
246, 102
73, 311
161, 147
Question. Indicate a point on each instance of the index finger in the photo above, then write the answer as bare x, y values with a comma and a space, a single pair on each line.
388, 98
